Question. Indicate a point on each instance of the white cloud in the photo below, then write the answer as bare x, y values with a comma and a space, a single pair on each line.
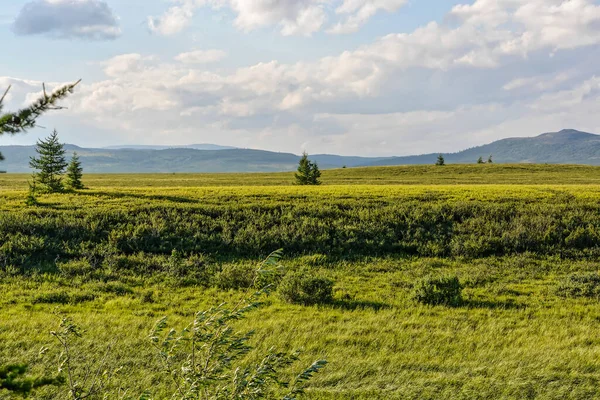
174, 20
293, 17
539, 83
442, 87
201, 56
86, 19
360, 11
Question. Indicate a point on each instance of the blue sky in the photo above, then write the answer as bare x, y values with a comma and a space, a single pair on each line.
362, 77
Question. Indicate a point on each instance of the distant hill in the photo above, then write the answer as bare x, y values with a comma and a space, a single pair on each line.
568, 146
565, 147
203, 146
177, 160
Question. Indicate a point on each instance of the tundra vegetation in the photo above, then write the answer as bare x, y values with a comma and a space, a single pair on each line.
413, 283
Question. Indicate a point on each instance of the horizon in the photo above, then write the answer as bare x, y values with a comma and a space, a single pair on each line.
229, 147
376, 78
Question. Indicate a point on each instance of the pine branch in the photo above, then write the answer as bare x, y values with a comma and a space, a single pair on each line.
22, 120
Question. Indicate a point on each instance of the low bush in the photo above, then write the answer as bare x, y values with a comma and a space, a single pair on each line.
63, 298
52, 298
235, 276
74, 268
314, 260
116, 288
438, 290
306, 288
580, 285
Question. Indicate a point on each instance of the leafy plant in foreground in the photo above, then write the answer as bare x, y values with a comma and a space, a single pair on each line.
204, 360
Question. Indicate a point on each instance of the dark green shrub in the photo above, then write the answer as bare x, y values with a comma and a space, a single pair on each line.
53, 298
580, 285
440, 290
235, 276
14, 378
306, 288
63, 298
115, 288
74, 268
148, 297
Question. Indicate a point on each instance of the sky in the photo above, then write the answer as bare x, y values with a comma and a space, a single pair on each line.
351, 77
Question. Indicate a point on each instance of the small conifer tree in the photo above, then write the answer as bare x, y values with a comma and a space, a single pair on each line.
480, 160
440, 160
75, 173
490, 159
308, 172
50, 163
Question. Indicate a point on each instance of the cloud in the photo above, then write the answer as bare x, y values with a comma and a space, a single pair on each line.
490, 69
84, 19
174, 20
201, 56
360, 11
293, 17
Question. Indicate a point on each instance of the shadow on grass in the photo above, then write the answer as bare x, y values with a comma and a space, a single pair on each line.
120, 195
359, 305
491, 304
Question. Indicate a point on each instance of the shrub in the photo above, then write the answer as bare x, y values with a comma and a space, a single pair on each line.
235, 276
74, 268
432, 290
314, 260
148, 297
53, 298
13, 378
116, 288
63, 298
580, 285
306, 288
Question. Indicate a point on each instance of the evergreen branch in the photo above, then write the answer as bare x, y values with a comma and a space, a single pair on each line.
22, 120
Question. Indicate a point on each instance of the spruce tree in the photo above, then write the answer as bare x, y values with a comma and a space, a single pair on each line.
19, 122
51, 163
308, 172
440, 160
315, 174
490, 159
480, 160
75, 173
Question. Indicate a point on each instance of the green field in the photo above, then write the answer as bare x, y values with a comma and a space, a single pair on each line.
513, 235
409, 175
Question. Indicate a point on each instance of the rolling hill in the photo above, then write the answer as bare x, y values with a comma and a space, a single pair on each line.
568, 146
565, 147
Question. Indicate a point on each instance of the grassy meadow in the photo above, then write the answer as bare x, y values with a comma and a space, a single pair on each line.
134, 248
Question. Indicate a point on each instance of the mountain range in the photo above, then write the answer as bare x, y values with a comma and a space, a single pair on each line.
567, 146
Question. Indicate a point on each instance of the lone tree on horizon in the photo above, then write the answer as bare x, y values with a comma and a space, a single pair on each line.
308, 172
480, 160
490, 161
75, 173
440, 160
21, 121
51, 163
